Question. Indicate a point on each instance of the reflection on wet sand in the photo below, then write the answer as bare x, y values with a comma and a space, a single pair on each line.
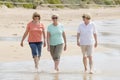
20, 71
87, 76
36, 76
56, 76
61, 76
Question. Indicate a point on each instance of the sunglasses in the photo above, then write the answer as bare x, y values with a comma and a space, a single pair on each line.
54, 17
83, 16
36, 16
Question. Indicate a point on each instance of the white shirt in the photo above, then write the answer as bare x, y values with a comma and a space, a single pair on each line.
87, 33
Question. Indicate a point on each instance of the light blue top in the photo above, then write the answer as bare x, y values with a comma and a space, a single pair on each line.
56, 36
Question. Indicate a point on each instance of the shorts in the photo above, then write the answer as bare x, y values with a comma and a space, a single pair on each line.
36, 48
56, 51
87, 50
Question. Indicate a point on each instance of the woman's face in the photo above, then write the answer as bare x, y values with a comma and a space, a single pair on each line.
85, 20
36, 18
54, 18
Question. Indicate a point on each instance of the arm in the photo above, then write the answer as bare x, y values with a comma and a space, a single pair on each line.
48, 41
78, 37
24, 36
64, 37
95, 37
44, 39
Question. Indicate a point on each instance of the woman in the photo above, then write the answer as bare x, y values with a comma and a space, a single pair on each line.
35, 29
87, 40
55, 39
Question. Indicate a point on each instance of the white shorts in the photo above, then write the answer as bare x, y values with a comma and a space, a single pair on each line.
87, 50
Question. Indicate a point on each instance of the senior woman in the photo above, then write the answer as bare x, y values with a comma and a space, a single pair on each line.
36, 31
87, 40
56, 39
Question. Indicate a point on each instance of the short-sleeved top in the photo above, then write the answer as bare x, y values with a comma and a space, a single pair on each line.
35, 32
56, 32
87, 33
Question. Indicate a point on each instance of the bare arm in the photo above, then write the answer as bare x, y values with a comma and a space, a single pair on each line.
24, 36
95, 37
44, 39
64, 37
48, 41
78, 37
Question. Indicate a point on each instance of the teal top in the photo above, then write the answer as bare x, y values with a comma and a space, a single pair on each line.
56, 36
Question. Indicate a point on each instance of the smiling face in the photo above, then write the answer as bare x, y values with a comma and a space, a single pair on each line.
86, 18
54, 18
36, 16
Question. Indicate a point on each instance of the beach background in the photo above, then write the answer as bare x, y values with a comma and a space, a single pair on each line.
16, 62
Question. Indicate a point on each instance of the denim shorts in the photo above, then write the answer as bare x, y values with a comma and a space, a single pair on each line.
36, 48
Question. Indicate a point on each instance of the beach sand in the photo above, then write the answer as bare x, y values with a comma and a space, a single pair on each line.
16, 62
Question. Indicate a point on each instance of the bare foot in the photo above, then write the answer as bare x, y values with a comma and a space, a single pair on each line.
90, 72
85, 70
57, 69
36, 66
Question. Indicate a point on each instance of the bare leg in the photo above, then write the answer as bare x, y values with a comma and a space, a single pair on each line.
56, 65
85, 63
90, 64
36, 61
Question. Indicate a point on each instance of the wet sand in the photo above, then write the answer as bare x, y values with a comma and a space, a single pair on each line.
16, 62
70, 69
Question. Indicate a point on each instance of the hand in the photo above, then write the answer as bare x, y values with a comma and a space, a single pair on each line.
48, 48
65, 47
95, 44
21, 44
44, 44
78, 43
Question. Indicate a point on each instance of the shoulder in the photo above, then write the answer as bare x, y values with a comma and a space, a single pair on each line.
81, 24
60, 25
29, 23
92, 23
50, 25
41, 24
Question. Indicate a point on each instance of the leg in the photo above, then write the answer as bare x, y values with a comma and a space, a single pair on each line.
39, 47
34, 53
85, 63
90, 63
89, 53
55, 53
56, 65
36, 60
83, 48
58, 51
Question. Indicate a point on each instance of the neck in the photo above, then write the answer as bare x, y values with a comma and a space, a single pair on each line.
55, 24
86, 23
36, 22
